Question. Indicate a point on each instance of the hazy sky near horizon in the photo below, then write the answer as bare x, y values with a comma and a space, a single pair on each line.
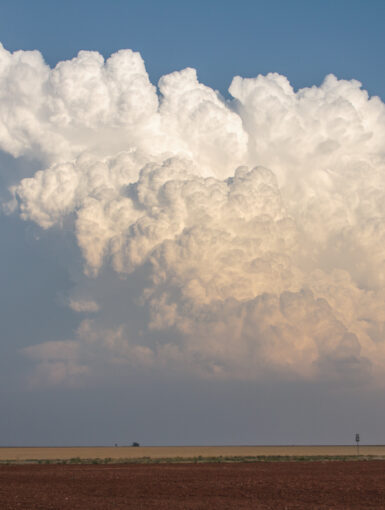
192, 220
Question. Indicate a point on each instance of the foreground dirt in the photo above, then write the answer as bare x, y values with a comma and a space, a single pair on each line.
261, 485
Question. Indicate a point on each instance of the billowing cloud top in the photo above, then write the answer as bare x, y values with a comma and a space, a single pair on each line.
258, 221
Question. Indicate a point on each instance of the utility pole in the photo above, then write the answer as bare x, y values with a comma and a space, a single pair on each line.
358, 443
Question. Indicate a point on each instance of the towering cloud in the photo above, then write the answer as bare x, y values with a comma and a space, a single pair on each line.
255, 226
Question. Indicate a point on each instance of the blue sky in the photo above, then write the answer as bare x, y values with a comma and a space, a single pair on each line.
40, 269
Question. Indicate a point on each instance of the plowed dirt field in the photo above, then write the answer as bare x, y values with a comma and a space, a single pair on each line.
259, 485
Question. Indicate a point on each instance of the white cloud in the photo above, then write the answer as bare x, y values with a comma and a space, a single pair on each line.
80, 305
259, 221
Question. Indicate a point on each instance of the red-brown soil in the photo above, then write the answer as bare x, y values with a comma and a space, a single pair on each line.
267, 485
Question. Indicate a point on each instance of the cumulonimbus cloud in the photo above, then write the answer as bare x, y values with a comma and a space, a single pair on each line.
259, 219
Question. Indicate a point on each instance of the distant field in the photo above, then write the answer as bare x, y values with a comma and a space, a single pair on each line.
184, 452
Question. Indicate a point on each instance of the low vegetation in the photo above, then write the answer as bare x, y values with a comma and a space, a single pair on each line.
198, 460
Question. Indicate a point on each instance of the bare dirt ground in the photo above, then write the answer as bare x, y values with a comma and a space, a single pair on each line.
260, 485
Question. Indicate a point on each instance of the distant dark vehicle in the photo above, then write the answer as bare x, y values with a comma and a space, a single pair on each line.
135, 444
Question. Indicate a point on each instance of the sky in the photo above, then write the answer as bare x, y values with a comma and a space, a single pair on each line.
192, 222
